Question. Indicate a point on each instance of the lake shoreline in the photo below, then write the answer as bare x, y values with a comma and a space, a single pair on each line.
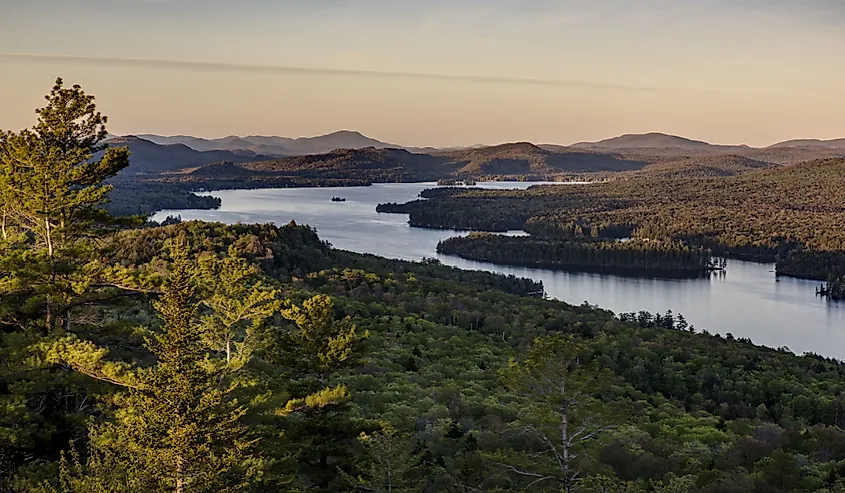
748, 300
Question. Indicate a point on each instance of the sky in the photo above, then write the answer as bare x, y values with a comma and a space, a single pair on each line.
436, 72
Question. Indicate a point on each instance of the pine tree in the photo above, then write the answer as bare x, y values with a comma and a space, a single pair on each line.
52, 188
238, 303
390, 461
173, 421
323, 342
563, 412
321, 434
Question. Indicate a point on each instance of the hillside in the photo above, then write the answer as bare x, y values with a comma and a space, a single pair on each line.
769, 214
792, 155
524, 158
367, 162
148, 158
704, 166
518, 159
652, 140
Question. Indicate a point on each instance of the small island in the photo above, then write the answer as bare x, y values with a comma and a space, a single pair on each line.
338, 199
446, 182
834, 289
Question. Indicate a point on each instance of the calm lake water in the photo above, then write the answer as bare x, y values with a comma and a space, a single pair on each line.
748, 301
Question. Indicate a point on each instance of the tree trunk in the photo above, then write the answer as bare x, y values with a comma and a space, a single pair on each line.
3, 225
564, 431
180, 475
228, 350
389, 475
48, 317
49, 238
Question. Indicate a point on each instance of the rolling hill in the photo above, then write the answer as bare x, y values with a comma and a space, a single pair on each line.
704, 166
658, 145
827, 144
524, 158
649, 140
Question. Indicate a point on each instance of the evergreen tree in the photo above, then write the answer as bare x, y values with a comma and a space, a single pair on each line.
323, 343
390, 460
321, 434
174, 420
563, 413
52, 183
238, 303
52, 187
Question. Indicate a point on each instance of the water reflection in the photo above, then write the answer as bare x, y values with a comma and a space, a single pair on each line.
747, 300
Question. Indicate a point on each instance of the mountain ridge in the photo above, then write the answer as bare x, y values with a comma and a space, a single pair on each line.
667, 144
149, 158
274, 145
827, 144
654, 140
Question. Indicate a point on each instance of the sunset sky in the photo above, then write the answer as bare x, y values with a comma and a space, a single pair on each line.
437, 72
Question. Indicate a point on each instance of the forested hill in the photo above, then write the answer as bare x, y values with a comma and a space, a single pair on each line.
367, 165
524, 158
653, 140
703, 166
830, 144
148, 158
162, 176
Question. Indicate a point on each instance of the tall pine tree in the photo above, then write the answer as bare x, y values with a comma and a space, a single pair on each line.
177, 422
52, 188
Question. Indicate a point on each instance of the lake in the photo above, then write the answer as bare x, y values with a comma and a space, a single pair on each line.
747, 301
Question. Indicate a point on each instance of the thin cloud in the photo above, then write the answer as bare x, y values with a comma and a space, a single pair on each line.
234, 67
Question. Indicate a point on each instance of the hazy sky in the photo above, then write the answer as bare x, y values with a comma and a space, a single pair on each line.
437, 72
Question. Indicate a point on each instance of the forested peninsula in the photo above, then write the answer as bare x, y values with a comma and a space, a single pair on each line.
788, 215
631, 258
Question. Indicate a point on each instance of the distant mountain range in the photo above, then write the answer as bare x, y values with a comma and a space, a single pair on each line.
516, 159
275, 146
655, 140
346, 139
149, 158
352, 154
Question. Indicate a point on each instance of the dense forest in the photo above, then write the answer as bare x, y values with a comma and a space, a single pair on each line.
200, 357
635, 257
789, 215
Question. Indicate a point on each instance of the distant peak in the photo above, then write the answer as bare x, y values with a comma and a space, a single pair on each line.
350, 133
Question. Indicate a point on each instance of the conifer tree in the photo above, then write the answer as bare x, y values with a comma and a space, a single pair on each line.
390, 461
324, 343
173, 421
320, 433
52, 187
563, 412
238, 303
52, 182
